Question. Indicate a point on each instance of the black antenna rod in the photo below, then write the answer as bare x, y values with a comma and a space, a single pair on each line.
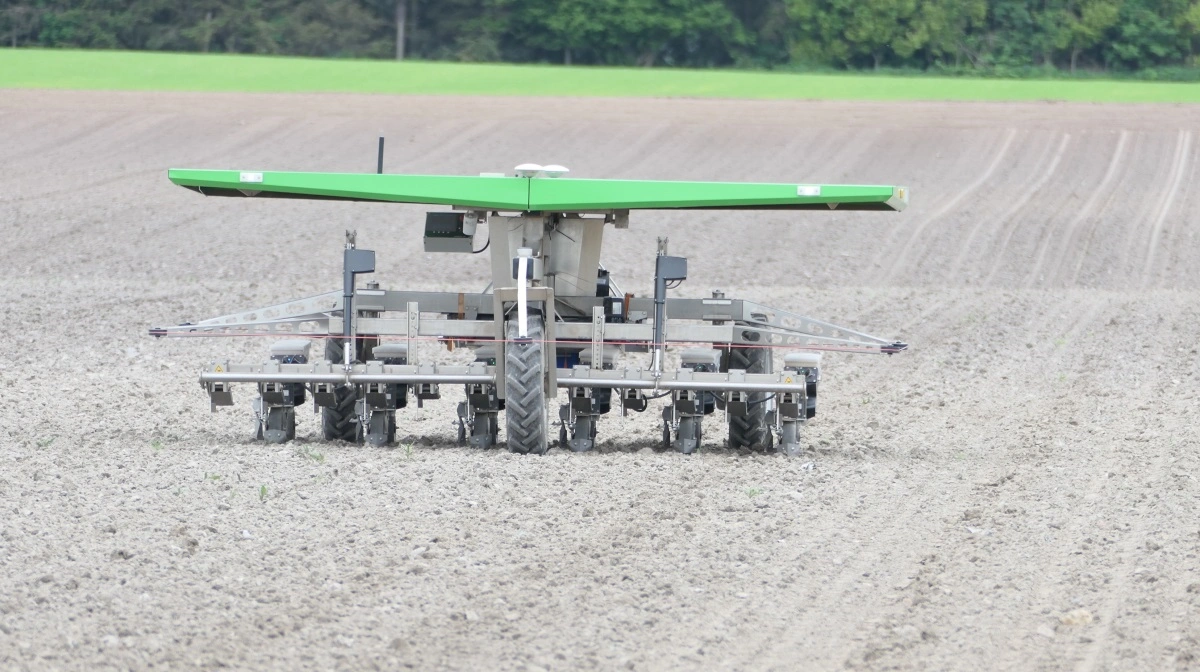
379, 169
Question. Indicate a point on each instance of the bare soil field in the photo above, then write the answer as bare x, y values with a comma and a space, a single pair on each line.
1017, 491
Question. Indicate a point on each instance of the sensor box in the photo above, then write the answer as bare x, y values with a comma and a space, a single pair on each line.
444, 232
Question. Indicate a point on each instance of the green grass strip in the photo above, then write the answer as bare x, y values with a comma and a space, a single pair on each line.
154, 71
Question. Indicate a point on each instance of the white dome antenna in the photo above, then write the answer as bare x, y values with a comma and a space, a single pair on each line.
528, 169
554, 170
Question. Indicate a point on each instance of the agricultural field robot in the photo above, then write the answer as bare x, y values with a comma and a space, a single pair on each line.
552, 317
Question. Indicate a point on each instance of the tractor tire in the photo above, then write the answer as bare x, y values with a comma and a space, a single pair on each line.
340, 422
525, 388
751, 431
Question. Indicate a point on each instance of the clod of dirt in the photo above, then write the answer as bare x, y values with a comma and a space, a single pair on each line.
1076, 617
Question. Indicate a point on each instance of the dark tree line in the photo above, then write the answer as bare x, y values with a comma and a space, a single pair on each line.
947, 35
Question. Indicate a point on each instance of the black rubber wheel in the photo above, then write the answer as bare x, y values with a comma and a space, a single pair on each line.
525, 388
751, 430
339, 423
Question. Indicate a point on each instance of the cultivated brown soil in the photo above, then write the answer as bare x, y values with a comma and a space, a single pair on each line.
1018, 491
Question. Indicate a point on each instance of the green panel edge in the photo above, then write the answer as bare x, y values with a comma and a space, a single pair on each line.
504, 193
577, 194
540, 194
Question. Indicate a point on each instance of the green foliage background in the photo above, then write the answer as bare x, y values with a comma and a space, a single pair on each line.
1156, 39
157, 71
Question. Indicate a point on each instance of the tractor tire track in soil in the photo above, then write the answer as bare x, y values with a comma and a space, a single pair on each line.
1184, 246
987, 222
1103, 193
1011, 224
998, 156
1164, 173
1017, 490
1020, 228
1077, 240
1178, 170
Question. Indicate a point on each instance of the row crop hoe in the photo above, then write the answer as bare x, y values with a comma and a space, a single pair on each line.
551, 318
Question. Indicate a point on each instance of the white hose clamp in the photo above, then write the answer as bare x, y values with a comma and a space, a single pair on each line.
523, 255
